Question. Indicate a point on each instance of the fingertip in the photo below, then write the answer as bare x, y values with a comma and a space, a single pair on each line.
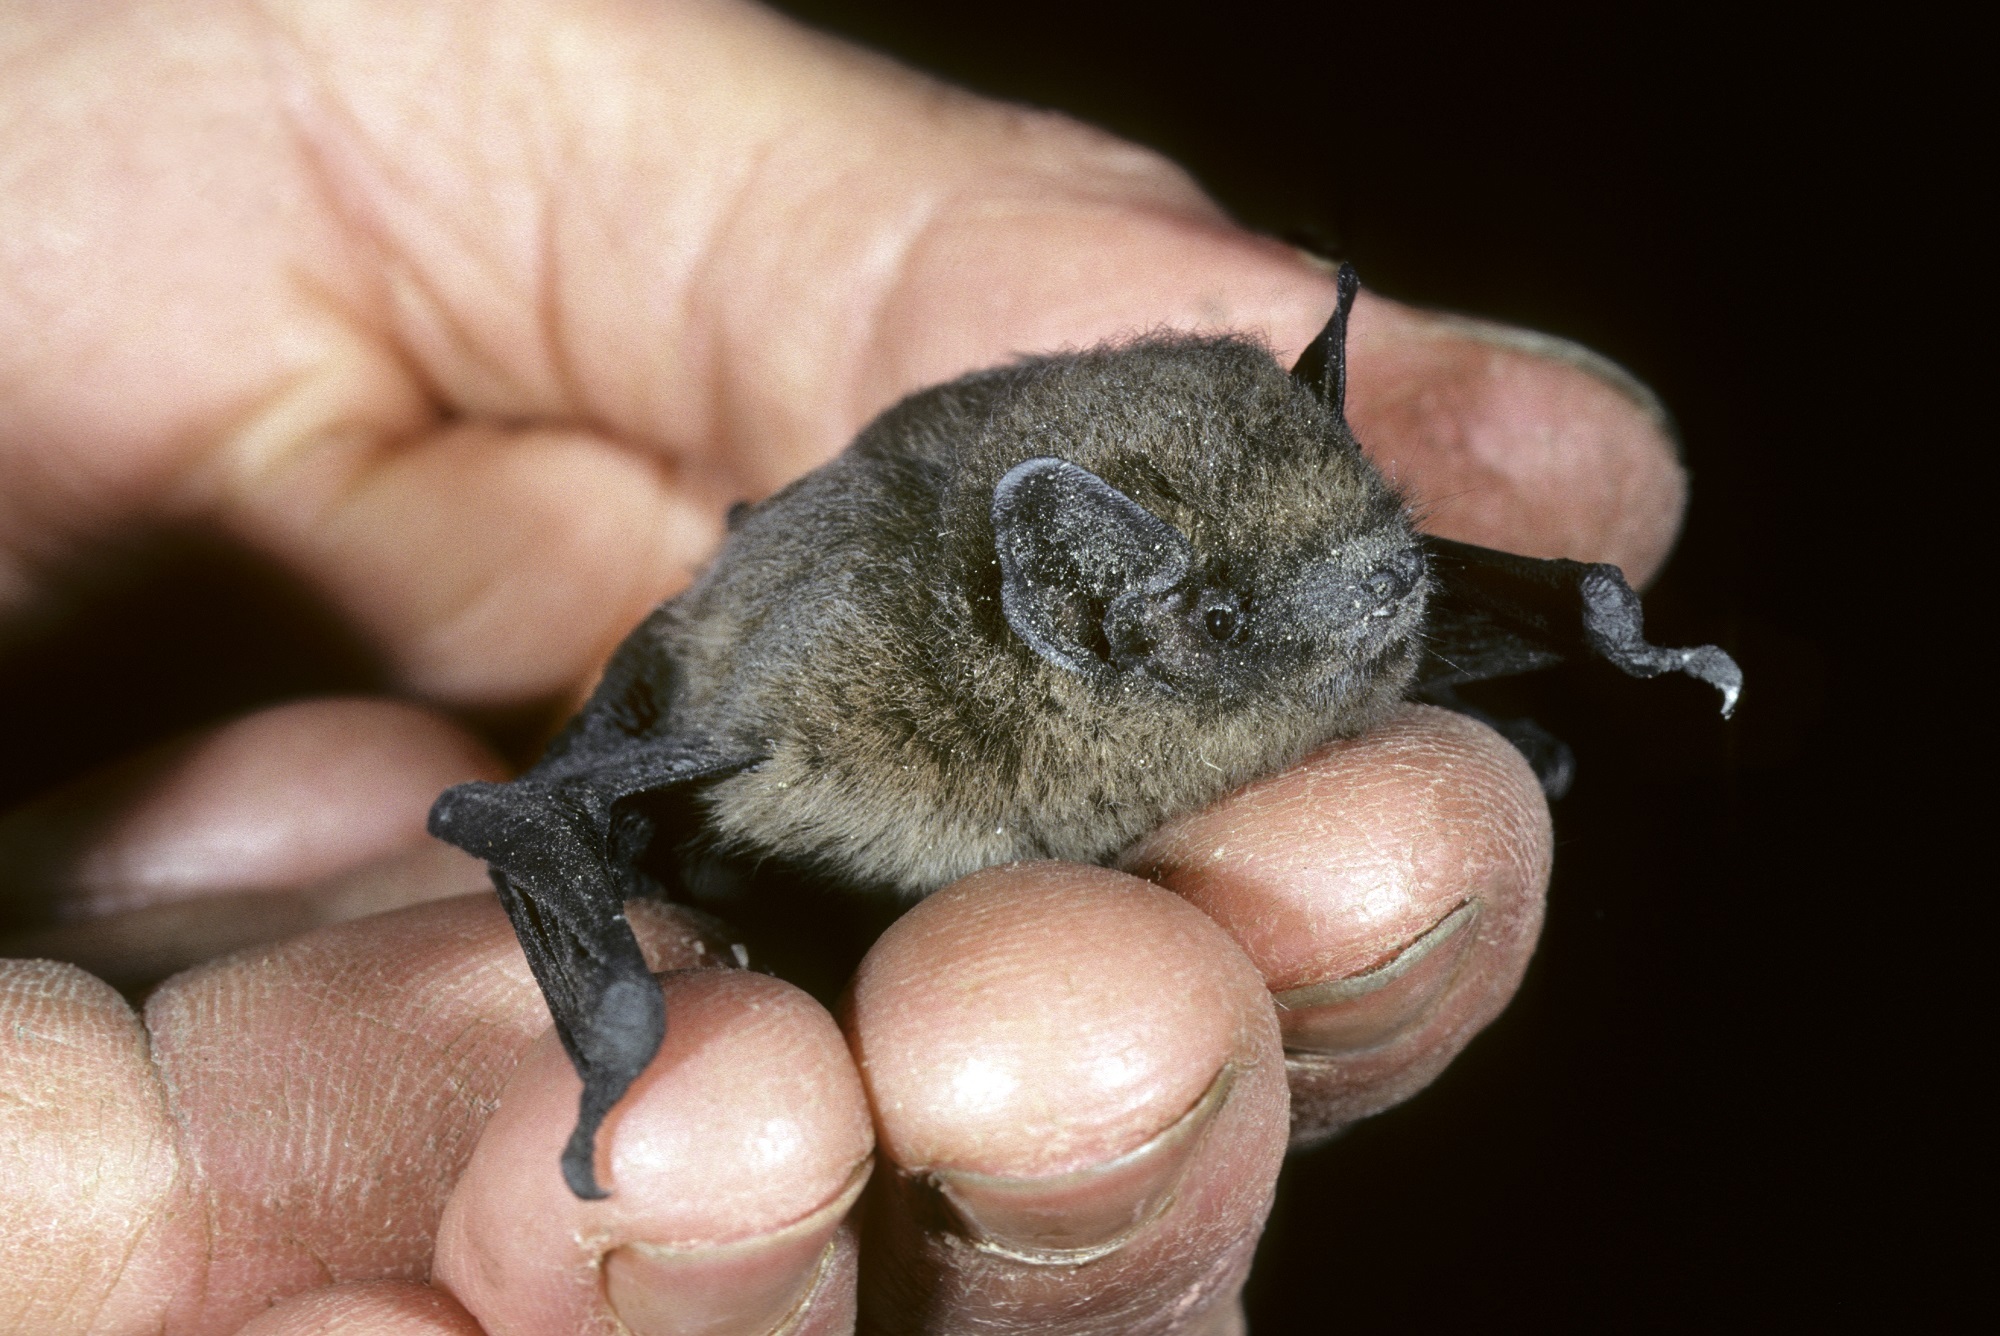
731, 1164
1389, 890
446, 546
304, 814
281, 797
1326, 868
1037, 1017
1078, 1084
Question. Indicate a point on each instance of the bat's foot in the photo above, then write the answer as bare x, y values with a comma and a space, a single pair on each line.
1547, 755
624, 1032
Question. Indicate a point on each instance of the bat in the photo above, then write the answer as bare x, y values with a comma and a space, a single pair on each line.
1032, 613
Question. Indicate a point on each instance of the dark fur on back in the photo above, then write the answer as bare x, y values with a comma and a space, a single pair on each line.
852, 629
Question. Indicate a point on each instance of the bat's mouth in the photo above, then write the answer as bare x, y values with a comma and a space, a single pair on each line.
1380, 663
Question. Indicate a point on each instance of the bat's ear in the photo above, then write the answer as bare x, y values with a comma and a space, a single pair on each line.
1322, 367
1069, 545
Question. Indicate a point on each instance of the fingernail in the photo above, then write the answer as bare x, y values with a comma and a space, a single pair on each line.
1063, 1219
1364, 1011
1534, 343
753, 1287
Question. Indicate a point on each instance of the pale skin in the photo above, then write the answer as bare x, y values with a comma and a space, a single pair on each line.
476, 317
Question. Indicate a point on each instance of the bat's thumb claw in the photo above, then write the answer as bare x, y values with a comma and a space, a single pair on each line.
578, 1163
621, 1037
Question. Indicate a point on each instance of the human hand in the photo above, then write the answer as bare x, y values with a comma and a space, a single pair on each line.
476, 318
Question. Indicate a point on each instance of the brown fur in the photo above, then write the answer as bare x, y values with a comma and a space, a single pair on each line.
851, 631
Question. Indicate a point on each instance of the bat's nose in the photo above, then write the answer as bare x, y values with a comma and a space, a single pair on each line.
1396, 576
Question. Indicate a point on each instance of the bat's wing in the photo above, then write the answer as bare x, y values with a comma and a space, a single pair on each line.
561, 842
1495, 614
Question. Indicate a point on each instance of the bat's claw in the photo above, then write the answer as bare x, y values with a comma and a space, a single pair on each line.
1717, 669
623, 1034
579, 1157
1614, 626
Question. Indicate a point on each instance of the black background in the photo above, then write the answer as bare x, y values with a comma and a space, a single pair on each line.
1694, 1115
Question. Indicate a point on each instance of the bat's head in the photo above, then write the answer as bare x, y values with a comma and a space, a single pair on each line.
1102, 586
1197, 524
1036, 611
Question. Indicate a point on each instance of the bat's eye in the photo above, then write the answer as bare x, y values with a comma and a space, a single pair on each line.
1222, 621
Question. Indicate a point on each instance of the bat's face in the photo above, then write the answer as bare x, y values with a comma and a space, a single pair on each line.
1253, 560
1329, 621
1099, 586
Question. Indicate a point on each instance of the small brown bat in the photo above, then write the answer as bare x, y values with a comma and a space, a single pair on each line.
1029, 614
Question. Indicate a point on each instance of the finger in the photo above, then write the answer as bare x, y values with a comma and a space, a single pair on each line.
695, 230
100, 1220
1080, 1106
284, 1120
733, 1163
1390, 892
328, 1091
370, 1308
493, 564
1516, 440
290, 818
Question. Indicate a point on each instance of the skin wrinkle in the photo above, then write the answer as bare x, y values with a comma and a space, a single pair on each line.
266, 439
53, 986
549, 287
366, 189
318, 1179
871, 279
335, 204
202, 1191
471, 266
299, 103
315, 359
689, 262
708, 290
442, 341
687, 258
887, 266
448, 1059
